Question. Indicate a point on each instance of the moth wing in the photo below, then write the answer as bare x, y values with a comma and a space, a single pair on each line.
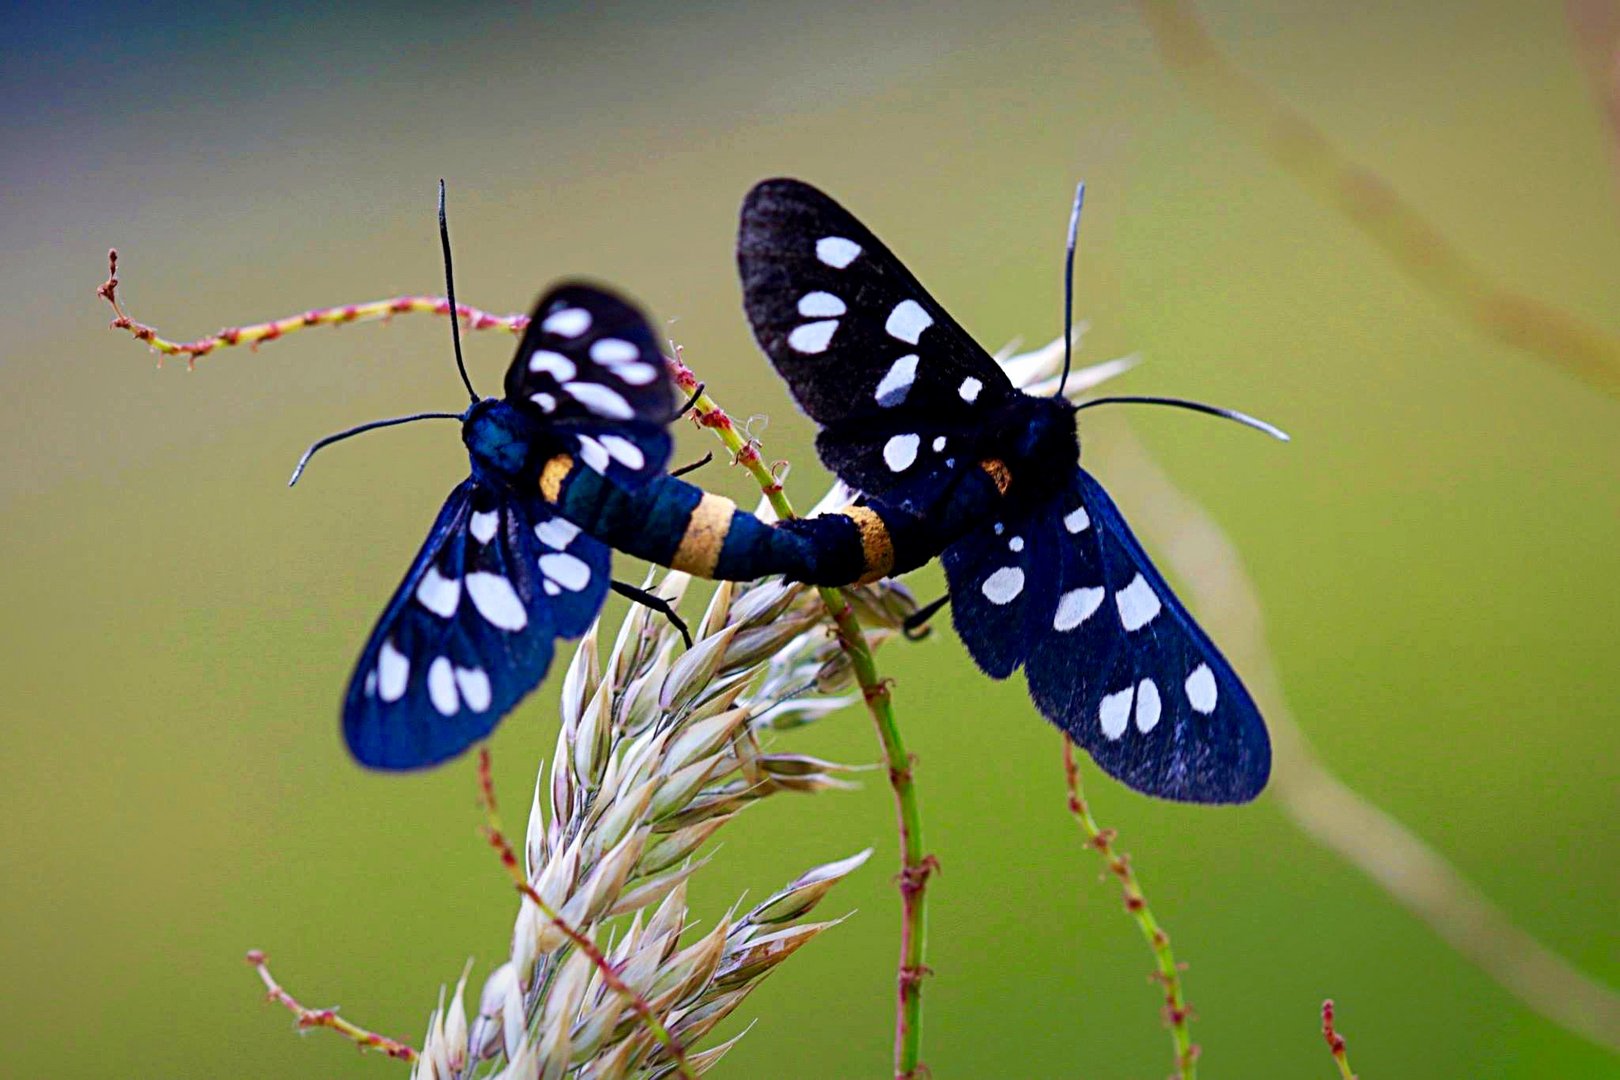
1130, 675
469, 631
865, 350
589, 365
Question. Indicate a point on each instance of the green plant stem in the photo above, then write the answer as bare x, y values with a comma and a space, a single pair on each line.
1176, 1010
915, 866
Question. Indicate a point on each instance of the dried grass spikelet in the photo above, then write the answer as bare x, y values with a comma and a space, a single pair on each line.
659, 748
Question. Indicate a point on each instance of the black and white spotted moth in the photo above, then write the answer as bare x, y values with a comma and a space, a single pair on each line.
950, 459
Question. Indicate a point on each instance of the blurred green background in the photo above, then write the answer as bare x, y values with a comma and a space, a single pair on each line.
1437, 553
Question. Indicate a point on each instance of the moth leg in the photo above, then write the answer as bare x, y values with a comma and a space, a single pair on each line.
915, 626
656, 603
690, 402
693, 466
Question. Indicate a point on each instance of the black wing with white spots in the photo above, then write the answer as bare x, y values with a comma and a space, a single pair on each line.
1112, 657
469, 631
589, 364
999, 600
896, 384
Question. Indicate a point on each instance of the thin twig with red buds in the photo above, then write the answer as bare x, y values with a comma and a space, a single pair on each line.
1335, 1042
327, 1018
1177, 1012
503, 847
258, 333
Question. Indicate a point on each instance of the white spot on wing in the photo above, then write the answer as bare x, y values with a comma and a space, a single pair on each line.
623, 359
569, 322
593, 453
1201, 693
820, 305
969, 390
897, 382
637, 374
1016, 544
438, 594
612, 350
567, 571
600, 399
497, 601
907, 321
939, 443
1114, 712
474, 687
836, 251
812, 337
483, 525
624, 451
393, 669
1137, 604
1147, 705
546, 402
555, 364
371, 682
1077, 520
1076, 606
442, 687
1003, 586
900, 451
556, 532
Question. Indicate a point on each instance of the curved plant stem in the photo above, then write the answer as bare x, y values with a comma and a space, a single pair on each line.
1176, 1010
610, 977
258, 333
1336, 816
1418, 249
1595, 34
915, 866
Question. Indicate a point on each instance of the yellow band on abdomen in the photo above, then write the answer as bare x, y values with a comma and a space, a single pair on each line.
705, 534
877, 547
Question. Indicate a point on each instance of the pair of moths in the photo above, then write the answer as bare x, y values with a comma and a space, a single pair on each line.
950, 459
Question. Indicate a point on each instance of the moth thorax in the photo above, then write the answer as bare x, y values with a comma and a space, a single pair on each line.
1039, 436
501, 440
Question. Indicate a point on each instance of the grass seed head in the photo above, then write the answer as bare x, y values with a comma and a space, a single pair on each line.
659, 748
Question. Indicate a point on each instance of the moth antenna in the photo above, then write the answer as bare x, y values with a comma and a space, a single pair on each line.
692, 466
360, 429
1196, 406
450, 292
1068, 284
